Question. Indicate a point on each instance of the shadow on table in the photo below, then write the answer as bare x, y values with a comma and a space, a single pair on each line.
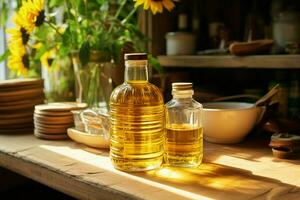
210, 180
222, 182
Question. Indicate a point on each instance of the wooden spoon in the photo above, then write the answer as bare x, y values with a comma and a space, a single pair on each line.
265, 99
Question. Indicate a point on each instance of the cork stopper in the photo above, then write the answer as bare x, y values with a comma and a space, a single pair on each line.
182, 89
181, 86
135, 56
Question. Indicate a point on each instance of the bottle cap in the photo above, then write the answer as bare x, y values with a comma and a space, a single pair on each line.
181, 86
135, 56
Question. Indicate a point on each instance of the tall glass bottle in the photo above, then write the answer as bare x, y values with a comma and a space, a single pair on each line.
137, 119
184, 132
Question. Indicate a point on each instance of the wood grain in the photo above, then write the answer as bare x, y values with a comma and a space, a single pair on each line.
244, 171
263, 61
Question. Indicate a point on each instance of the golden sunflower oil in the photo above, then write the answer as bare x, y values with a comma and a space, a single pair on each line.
137, 119
184, 133
184, 145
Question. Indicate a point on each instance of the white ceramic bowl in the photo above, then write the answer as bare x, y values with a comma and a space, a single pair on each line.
229, 122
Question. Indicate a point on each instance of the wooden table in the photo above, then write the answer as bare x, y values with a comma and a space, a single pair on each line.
244, 171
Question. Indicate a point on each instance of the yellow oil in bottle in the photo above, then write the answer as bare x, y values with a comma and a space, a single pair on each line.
184, 145
137, 126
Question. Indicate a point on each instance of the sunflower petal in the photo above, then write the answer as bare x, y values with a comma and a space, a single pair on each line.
153, 8
147, 4
168, 4
159, 6
138, 3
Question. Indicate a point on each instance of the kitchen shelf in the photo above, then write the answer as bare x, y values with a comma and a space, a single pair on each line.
229, 61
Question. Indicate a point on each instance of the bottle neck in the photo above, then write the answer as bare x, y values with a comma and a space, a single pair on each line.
183, 95
136, 71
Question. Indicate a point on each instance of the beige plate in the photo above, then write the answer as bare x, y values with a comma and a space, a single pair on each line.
62, 106
91, 140
20, 82
53, 120
51, 137
53, 113
50, 130
53, 126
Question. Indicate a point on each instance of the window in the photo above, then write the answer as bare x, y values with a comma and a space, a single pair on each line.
3, 35
2, 49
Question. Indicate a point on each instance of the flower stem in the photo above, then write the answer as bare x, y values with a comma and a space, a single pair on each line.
120, 9
86, 12
67, 7
129, 15
117, 14
53, 27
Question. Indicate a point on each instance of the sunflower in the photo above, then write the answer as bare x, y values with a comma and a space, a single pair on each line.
19, 64
16, 48
18, 61
31, 14
20, 19
18, 34
47, 58
155, 5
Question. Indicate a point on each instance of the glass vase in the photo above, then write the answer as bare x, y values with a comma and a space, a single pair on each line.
59, 81
93, 82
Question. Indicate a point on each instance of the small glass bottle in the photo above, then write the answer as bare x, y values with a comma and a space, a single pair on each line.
184, 132
137, 119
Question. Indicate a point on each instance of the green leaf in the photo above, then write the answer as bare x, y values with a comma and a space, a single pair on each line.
55, 3
155, 63
3, 13
104, 7
40, 52
134, 30
67, 38
84, 53
4, 56
64, 51
81, 7
43, 33
100, 1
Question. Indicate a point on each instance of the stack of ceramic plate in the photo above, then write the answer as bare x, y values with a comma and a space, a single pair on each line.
17, 100
52, 120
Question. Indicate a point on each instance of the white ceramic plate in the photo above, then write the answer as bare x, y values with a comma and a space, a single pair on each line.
91, 140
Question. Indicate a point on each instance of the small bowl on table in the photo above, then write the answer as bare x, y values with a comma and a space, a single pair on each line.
229, 122
91, 128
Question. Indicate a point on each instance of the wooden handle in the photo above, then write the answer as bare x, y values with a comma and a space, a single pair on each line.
253, 47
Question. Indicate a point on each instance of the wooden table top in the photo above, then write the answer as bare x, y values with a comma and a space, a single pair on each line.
244, 171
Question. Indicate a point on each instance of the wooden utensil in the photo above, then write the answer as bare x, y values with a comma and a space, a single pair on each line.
250, 48
266, 98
